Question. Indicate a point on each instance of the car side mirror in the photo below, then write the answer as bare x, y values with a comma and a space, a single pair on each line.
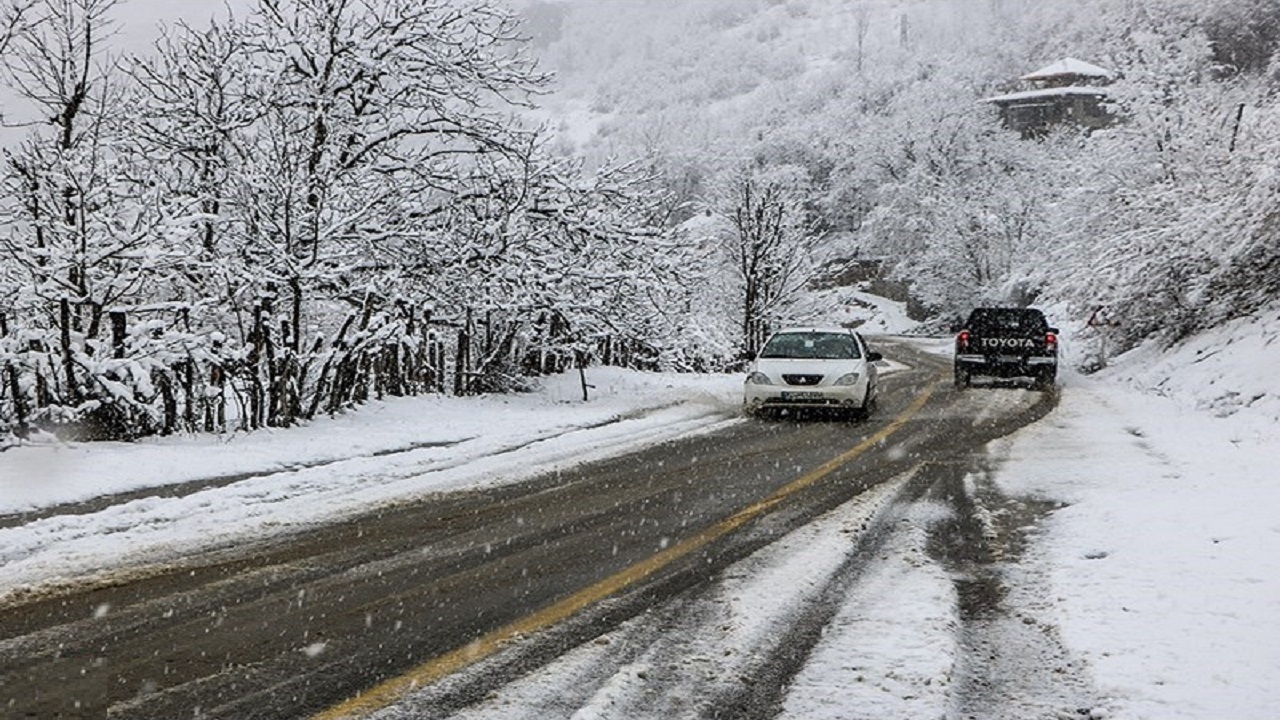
874, 356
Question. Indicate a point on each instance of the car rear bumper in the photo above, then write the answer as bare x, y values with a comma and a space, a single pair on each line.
1006, 365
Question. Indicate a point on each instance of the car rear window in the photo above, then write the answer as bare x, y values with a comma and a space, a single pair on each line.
811, 346
1007, 320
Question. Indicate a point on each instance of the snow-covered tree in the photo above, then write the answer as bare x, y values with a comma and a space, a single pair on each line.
85, 230
770, 247
279, 212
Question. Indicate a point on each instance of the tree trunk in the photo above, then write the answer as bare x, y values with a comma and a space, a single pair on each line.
462, 363
21, 429
68, 361
119, 331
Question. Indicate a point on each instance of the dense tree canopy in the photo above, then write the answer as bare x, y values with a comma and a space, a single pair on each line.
316, 203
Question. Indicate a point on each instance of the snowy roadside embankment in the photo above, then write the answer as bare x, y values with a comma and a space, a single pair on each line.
38, 476
1227, 371
1165, 565
333, 468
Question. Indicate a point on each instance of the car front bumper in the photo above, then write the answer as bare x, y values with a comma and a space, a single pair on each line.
784, 396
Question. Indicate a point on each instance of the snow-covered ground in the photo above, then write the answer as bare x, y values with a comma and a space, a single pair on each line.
278, 480
1160, 574
850, 306
1165, 566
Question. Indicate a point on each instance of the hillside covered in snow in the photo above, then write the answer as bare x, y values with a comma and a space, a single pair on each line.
1167, 218
283, 210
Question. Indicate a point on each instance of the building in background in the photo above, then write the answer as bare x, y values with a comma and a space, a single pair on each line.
1068, 91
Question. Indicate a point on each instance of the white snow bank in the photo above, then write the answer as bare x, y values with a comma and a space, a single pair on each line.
334, 468
1165, 566
34, 477
1224, 371
851, 307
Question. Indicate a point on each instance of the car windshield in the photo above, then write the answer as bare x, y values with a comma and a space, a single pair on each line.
811, 346
1007, 321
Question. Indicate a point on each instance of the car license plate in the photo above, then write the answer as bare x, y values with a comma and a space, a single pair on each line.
801, 395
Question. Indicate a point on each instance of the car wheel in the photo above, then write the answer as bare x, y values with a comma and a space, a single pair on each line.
962, 378
868, 406
763, 413
1045, 380
868, 409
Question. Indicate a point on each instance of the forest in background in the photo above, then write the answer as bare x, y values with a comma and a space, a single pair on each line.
871, 110
320, 202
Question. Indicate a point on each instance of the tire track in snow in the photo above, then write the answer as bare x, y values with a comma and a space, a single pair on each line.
1011, 663
720, 650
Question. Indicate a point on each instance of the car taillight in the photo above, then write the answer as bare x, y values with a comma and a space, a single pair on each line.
962, 340
1051, 340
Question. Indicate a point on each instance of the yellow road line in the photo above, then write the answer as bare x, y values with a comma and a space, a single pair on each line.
390, 691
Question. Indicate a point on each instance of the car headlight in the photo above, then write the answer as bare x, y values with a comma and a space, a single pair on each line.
758, 378
847, 379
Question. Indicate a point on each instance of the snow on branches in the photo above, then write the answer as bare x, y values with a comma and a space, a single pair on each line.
290, 212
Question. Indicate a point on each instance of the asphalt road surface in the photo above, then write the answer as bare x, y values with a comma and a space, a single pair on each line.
341, 620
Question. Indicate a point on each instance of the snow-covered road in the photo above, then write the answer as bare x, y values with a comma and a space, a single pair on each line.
1144, 585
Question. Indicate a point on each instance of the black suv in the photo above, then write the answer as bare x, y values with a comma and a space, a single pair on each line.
1006, 343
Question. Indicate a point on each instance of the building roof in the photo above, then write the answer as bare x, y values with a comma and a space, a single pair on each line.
1042, 93
1069, 66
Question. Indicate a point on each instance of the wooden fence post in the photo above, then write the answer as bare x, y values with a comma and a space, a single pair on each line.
164, 383
442, 380
580, 359
462, 364
255, 414
460, 369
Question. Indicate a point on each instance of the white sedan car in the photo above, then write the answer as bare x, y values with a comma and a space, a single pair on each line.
818, 368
